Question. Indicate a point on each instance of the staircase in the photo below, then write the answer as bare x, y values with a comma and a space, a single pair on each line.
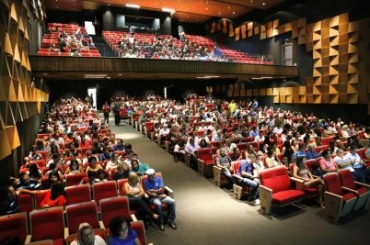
103, 47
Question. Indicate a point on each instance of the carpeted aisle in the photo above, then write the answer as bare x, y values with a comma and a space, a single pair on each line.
207, 214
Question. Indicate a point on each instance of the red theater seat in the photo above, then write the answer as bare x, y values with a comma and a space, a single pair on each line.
77, 194
48, 224
80, 213
276, 189
339, 202
14, 225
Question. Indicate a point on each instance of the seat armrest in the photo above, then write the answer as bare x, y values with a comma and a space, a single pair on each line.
367, 186
101, 224
66, 232
333, 204
299, 183
266, 199
133, 217
28, 239
237, 177
349, 190
169, 191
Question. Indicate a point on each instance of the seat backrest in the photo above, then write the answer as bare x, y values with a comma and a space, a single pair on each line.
47, 224
309, 164
80, 213
100, 232
113, 207
25, 202
74, 179
276, 179
236, 166
104, 190
204, 153
346, 179
77, 194
40, 197
139, 227
332, 183
120, 185
14, 225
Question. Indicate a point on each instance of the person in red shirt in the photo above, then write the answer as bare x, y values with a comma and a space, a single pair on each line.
54, 197
106, 110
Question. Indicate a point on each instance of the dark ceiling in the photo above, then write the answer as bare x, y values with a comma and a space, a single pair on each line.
192, 11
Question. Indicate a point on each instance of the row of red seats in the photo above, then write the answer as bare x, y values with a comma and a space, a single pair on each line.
61, 229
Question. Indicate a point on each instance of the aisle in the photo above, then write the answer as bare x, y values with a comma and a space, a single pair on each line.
207, 214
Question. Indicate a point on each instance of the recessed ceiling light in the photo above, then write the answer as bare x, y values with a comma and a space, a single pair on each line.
233, 12
133, 6
263, 3
169, 10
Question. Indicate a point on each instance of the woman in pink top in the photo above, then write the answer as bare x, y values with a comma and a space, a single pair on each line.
327, 164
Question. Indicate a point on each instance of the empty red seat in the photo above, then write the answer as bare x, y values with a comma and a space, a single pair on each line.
14, 225
48, 224
77, 194
104, 190
276, 189
80, 213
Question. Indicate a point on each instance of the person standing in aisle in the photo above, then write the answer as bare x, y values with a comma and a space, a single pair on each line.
106, 110
117, 116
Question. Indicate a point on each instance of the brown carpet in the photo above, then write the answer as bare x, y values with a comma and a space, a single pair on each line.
207, 214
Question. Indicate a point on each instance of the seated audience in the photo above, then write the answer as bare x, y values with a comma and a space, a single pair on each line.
86, 236
122, 172
138, 167
224, 161
155, 190
250, 179
121, 233
135, 193
54, 197
327, 164
311, 153
345, 162
301, 171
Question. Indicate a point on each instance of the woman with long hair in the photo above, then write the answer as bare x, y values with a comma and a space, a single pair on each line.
55, 197
301, 171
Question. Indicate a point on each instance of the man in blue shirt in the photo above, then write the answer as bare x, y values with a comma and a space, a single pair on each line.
248, 178
155, 189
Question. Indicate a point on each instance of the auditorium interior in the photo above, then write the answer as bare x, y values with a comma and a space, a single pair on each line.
308, 56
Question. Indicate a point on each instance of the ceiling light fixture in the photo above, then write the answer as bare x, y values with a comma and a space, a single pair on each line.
133, 6
169, 10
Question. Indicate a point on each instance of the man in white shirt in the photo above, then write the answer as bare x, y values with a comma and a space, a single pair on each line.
357, 163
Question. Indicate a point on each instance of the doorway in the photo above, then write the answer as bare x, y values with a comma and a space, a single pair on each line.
92, 92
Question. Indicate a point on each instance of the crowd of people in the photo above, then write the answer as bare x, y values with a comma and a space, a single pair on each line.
276, 138
72, 43
74, 140
166, 47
